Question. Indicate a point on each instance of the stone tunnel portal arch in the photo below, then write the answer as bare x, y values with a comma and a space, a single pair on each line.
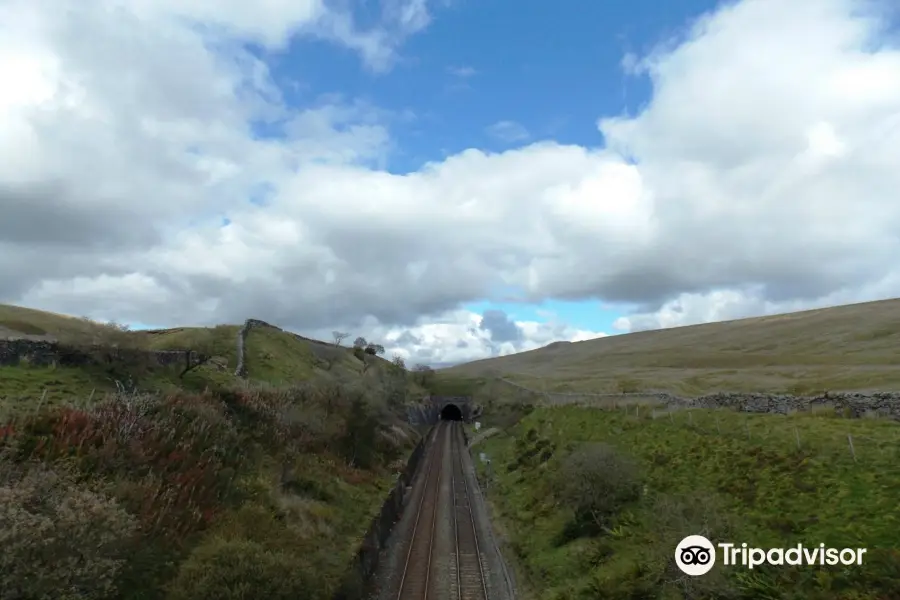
451, 412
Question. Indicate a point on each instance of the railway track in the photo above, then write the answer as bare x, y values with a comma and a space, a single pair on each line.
460, 546
470, 579
417, 568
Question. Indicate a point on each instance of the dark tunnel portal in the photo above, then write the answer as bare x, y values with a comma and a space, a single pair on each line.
451, 412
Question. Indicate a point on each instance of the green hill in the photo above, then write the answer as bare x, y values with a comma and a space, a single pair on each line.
125, 476
272, 356
845, 348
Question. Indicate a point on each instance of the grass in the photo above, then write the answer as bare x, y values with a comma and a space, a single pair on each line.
28, 321
273, 357
702, 472
201, 486
845, 348
214, 493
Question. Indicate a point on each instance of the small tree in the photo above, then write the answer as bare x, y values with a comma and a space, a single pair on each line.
339, 336
360, 433
596, 481
360, 342
398, 363
374, 349
424, 375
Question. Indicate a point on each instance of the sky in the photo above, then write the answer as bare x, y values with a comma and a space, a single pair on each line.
452, 179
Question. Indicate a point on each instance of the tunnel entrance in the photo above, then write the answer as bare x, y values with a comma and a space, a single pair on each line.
451, 412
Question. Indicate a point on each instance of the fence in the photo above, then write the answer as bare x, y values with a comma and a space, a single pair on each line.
810, 425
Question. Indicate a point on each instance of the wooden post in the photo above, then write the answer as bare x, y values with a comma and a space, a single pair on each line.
852, 450
797, 435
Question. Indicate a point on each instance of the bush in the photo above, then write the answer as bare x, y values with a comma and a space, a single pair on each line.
60, 540
240, 569
358, 444
596, 481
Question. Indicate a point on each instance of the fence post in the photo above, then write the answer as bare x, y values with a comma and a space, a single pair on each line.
852, 450
797, 435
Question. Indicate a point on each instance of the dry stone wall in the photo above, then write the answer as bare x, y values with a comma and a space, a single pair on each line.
857, 404
15, 352
319, 347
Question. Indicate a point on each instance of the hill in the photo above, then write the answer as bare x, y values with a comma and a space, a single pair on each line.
845, 348
53, 357
156, 465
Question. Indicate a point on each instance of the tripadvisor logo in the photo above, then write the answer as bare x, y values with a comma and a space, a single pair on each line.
695, 555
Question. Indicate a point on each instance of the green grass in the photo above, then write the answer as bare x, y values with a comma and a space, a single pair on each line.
701, 469
24, 384
41, 323
273, 357
855, 347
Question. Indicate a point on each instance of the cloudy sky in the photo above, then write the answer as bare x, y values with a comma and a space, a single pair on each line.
452, 178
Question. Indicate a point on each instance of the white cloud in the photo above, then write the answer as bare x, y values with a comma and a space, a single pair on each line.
462, 72
764, 176
455, 337
508, 131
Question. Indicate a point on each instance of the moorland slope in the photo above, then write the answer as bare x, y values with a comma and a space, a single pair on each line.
844, 348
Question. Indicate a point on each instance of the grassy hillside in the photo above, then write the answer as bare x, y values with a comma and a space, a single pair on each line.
273, 357
854, 347
201, 487
596, 501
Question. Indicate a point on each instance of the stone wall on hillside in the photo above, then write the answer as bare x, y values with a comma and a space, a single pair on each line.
15, 352
241, 371
856, 404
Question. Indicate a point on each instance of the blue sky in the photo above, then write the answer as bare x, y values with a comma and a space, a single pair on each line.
173, 197
494, 75
552, 67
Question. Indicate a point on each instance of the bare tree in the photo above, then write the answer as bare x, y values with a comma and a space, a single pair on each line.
424, 375
339, 336
202, 352
360, 342
192, 360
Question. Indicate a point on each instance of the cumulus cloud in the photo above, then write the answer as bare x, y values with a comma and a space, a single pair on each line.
462, 72
508, 131
500, 326
459, 336
761, 175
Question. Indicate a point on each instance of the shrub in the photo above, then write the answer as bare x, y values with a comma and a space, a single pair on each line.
596, 481
60, 539
358, 444
237, 569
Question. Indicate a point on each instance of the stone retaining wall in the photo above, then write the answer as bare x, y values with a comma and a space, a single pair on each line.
856, 404
357, 584
15, 352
